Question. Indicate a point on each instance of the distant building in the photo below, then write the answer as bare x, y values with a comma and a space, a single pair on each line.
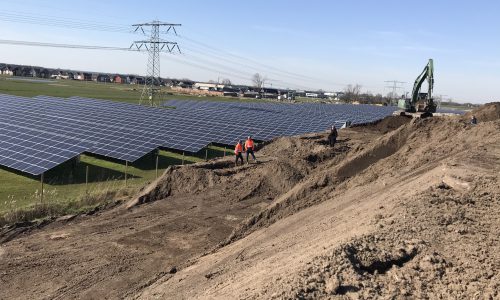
6, 70
103, 78
208, 86
88, 76
119, 79
78, 76
137, 80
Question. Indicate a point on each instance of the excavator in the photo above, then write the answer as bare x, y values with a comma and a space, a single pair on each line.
421, 102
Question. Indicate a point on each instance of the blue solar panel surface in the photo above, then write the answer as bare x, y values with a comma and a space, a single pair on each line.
37, 134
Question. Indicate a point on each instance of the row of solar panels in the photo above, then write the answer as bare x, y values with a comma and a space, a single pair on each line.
37, 134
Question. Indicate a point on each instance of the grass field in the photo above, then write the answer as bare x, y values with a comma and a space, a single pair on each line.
66, 183
69, 88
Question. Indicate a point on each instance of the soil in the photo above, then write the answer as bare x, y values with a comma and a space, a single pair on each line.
404, 208
488, 112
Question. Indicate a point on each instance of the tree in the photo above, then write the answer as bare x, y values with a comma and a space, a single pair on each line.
226, 81
258, 81
351, 92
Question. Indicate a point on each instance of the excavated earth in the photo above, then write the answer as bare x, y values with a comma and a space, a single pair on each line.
404, 208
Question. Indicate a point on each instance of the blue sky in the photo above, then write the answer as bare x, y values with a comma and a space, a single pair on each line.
296, 44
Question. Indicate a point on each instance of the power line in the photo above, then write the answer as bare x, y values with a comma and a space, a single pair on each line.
193, 61
118, 28
253, 61
62, 22
67, 46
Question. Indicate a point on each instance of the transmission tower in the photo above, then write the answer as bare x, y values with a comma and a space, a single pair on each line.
154, 45
394, 87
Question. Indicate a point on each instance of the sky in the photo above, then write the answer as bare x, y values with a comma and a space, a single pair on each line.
294, 44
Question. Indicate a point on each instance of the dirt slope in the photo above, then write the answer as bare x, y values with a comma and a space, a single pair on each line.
488, 112
412, 214
402, 208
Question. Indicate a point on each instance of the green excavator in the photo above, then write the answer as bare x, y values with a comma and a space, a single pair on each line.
421, 102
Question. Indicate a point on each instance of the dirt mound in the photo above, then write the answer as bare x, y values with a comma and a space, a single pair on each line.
485, 113
413, 144
441, 253
387, 124
267, 178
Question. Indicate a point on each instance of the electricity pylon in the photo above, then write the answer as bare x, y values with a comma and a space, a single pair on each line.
154, 46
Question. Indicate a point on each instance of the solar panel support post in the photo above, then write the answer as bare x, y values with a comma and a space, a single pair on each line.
157, 165
41, 184
126, 172
224, 151
206, 153
182, 157
86, 179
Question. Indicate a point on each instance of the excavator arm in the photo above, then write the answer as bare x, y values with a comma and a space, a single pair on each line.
427, 74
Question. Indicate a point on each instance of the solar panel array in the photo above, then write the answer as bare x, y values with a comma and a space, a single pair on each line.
265, 121
37, 134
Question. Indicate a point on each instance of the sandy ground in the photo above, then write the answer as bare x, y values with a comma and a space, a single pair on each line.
406, 208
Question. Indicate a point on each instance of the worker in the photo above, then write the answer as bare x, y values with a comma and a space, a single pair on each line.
473, 120
332, 137
249, 147
238, 152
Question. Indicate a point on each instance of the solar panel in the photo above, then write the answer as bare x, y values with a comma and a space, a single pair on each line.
33, 151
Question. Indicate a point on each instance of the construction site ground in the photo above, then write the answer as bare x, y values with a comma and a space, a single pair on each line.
405, 208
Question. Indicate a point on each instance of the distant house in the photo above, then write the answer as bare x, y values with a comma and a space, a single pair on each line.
88, 76
230, 91
6, 70
137, 80
78, 76
251, 94
207, 86
119, 79
28, 72
127, 79
103, 78
43, 73
168, 82
18, 71
186, 84
58, 74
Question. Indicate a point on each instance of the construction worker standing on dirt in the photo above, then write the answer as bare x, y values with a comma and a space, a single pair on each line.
332, 137
238, 152
249, 147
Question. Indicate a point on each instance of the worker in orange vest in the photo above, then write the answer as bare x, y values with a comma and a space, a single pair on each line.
249, 147
238, 152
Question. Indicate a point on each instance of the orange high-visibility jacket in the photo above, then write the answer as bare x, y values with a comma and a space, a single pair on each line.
249, 144
238, 148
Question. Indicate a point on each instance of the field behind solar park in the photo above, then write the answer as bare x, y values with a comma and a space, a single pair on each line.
67, 88
65, 186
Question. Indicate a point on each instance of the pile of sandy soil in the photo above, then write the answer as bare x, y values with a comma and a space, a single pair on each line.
387, 124
485, 113
404, 208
